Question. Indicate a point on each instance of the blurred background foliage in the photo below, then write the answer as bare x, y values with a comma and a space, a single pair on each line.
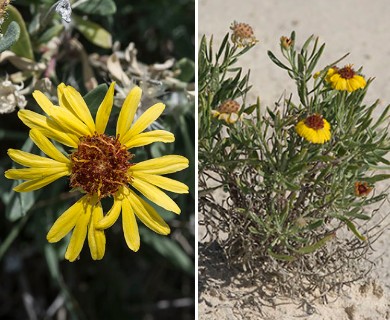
148, 43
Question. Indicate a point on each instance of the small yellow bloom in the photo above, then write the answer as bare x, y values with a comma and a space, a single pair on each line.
314, 129
345, 79
100, 166
242, 35
227, 111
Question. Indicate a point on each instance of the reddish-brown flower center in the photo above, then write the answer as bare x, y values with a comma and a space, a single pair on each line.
315, 122
362, 188
347, 72
229, 106
99, 165
286, 42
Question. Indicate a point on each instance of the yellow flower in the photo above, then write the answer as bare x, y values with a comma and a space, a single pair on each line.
100, 166
227, 111
314, 129
345, 79
242, 35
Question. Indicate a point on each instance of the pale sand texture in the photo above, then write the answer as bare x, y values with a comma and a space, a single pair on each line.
359, 27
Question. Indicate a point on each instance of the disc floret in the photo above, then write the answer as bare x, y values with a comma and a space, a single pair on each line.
100, 165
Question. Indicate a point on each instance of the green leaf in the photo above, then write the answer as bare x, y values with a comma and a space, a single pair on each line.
375, 199
384, 116
51, 33
351, 227
277, 61
19, 203
99, 7
6, 243
187, 69
95, 33
184, 142
376, 178
290, 184
283, 257
315, 59
306, 44
222, 47
168, 249
315, 224
250, 109
52, 261
22, 47
10, 37
314, 247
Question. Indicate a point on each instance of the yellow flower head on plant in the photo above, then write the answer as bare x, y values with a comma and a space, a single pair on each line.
100, 166
345, 79
242, 35
227, 111
314, 129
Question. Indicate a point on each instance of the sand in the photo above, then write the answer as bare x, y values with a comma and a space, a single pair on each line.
358, 27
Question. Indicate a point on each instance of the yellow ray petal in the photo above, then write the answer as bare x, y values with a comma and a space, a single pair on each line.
79, 234
163, 165
48, 127
32, 160
215, 113
112, 215
128, 111
162, 182
67, 120
66, 222
35, 184
129, 225
104, 111
72, 99
63, 117
34, 173
43, 102
146, 138
148, 215
155, 195
144, 121
46, 146
96, 238
65, 105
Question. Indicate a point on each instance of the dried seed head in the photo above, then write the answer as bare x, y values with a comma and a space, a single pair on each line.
229, 106
242, 35
301, 222
99, 165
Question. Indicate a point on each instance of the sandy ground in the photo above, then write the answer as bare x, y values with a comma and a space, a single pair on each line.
355, 26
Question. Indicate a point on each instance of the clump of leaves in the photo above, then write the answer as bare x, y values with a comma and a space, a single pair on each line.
292, 210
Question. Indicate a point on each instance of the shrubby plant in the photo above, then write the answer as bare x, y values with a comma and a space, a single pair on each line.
298, 180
